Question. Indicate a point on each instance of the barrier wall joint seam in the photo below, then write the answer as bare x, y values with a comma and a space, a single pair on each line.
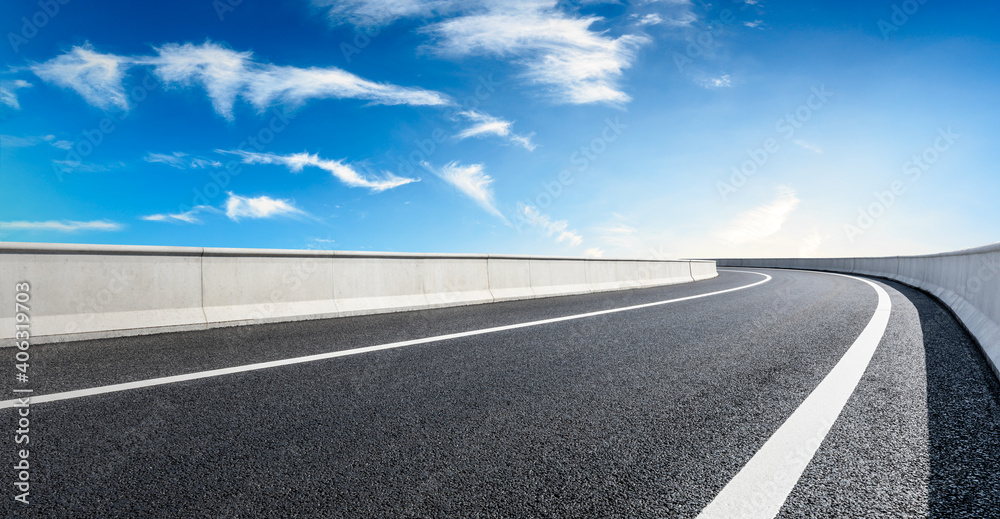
201, 266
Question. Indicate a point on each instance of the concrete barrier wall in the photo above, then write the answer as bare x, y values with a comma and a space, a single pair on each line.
89, 291
702, 270
509, 278
653, 273
258, 285
966, 281
552, 277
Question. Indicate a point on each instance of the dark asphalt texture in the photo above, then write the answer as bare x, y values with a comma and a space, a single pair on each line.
645, 413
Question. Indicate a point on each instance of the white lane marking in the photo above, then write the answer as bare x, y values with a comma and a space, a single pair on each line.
67, 395
760, 489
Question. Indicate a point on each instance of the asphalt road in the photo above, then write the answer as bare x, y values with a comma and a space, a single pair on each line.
648, 412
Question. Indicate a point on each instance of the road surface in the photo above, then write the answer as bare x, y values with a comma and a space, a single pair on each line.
640, 403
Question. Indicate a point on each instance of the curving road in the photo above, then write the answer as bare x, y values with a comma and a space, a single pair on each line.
642, 403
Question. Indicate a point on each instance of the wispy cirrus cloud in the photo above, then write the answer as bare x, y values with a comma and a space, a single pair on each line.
808, 146
343, 172
669, 13
723, 81
181, 160
67, 226
376, 13
294, 86
76, 166
649, 19
222, 72
226, 75
95, 76
682, 17
238, 207
557, 50
484, 125
559, 229
761, 221
235, 207
15, 141
618, 229
189, 216
321, 244
472, 181
8, 92
620, 235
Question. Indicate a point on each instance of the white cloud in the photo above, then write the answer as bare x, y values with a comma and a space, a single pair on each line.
650, 19
553, 44
321, 244
677, 13
810, 244
95, 76
221, 71
75, 166
618, 235
754, 24
594, 252
8, 92
61, 226
808, 146
485, 124
723, 81
684, 20
375, 13
190, 216
346, 174
181, 160
235, 207
225, 75
549, 227
762, 221
13, 141
558, 51
201, 163
260, 207
472, 181
620, 229
294, 86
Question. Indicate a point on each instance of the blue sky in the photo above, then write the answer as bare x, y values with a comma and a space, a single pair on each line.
668, 128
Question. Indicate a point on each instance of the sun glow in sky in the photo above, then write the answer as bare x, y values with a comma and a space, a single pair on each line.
671, 128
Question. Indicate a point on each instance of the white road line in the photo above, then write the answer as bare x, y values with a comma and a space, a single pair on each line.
760, 489
67, 395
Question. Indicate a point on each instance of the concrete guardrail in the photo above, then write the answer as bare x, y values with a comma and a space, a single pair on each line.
92, 291
967, 281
